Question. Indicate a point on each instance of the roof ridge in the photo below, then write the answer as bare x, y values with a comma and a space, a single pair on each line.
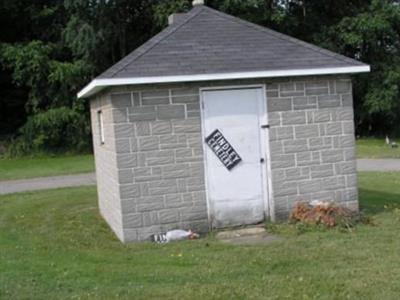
284, 37
195, 11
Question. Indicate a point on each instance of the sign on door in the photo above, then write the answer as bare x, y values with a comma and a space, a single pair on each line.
223, 150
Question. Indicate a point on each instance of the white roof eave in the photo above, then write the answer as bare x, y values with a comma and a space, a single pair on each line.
97, 85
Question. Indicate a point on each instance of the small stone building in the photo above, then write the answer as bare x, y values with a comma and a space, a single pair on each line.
218, 122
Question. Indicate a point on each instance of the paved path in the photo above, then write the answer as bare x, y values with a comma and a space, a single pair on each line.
382, 165
43, 183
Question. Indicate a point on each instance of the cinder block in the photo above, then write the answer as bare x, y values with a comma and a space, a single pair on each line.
128, 206
168, 112
148, 143
295, 174
333, 183
328, 101
293, 118
281, 133
343, 86
155, 94
347, 100
127, 160
344, 141
317, 91
185, 99
141, 110
193, 213
125, 176
272, 86
143, 128
351, 180
122, 146
173, 201
272, 94
306, 131
342, 114
130, 235
274, 119
193, 107
155, 101
306, 159
282, 161
185, 92
119, 115
348, 127
279, 104
348, 167
176, 171
320, 171
158, 161
321, 116
136, 99
310, 186
186, 126
129, 191
301, 103
161, 127
163, 187
276, 147
168, 216
332, 156
124, 130
350, 195
294, 146
284, 189
349, 154
153, 203
291, 93
142, 113
123, 100
150, 218
132, 220
333, 128
316, 84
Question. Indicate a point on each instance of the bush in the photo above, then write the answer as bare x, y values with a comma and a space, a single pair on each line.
55, 130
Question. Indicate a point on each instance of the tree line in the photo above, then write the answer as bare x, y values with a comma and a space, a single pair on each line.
49, 49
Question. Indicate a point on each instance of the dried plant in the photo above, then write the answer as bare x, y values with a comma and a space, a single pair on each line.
323, 213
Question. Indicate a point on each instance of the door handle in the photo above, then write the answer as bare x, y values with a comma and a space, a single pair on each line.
262, 160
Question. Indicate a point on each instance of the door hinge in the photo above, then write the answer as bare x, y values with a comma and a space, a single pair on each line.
202, 104
265, 126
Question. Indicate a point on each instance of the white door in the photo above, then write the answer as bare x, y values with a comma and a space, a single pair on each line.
233, 137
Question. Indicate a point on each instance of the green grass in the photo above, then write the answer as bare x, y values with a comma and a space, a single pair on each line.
54, 245
375, 148
45, 166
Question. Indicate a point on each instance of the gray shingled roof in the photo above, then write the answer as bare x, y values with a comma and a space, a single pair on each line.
207, 41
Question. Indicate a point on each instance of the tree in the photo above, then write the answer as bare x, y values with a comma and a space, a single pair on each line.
373, 36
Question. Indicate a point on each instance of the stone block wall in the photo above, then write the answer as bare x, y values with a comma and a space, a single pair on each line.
311, 143
106, 167
150, 170
159, 160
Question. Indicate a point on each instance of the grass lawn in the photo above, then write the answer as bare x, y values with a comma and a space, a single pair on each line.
54, 245
376, 148
45, 166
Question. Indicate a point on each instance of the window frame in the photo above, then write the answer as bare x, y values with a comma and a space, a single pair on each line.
100, 121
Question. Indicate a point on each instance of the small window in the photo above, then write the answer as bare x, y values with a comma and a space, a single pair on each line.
101, 126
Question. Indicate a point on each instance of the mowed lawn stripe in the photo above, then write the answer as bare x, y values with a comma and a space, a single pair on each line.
22, 168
